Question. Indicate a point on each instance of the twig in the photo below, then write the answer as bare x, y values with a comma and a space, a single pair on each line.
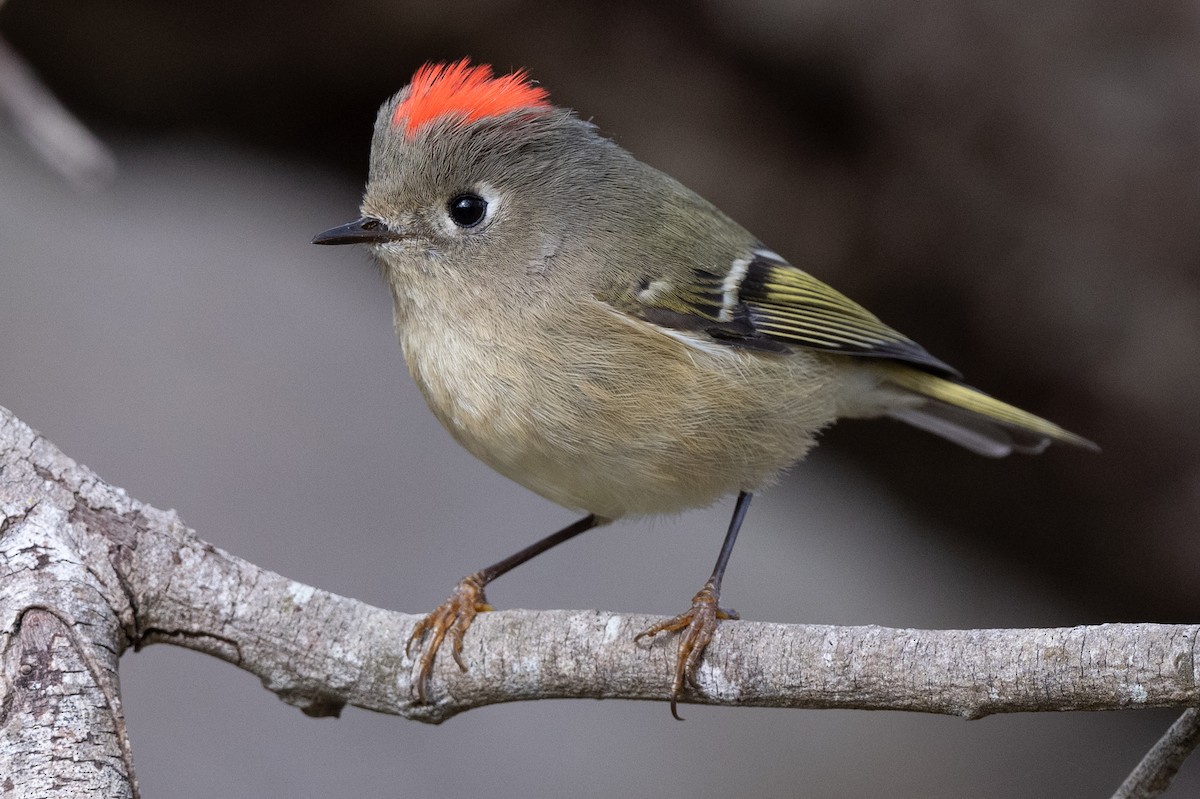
58, 137
1153, 775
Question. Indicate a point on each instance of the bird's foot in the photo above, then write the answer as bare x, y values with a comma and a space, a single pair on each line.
453, 616
698, 624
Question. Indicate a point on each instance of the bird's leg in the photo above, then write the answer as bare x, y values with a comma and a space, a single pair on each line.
455, 615
699, 622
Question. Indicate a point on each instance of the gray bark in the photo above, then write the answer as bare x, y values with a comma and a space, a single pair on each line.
87, 572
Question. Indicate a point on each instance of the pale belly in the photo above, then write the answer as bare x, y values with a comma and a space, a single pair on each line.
628, 421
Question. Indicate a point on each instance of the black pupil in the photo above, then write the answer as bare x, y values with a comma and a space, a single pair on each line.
467, 209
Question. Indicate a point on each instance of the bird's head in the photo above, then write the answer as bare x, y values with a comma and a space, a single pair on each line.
465, 166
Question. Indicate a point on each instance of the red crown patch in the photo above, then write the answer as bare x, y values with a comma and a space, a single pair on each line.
465, 91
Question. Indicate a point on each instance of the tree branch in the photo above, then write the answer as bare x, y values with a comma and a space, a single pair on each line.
102, 571
63, 142
1153, 775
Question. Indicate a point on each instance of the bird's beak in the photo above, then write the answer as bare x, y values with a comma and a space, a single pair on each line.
367, 230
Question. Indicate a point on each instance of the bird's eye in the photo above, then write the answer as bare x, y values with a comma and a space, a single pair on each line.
467, 210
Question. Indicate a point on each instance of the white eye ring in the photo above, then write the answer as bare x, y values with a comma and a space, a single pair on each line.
458, 215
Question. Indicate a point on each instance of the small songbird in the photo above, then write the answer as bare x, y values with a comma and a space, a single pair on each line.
592, 329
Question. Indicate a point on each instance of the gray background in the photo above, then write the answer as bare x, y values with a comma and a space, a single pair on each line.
1014, 188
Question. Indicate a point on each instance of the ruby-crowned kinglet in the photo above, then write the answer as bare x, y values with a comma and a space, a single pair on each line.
600, 334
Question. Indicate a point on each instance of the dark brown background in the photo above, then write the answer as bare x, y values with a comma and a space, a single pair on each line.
1017, 186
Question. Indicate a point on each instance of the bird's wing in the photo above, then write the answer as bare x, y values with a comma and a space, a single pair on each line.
763, 302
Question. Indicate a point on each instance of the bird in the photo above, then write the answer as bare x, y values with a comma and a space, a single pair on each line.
602, 335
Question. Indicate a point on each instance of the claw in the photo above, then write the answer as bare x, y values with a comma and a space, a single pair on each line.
698, 624
453, 616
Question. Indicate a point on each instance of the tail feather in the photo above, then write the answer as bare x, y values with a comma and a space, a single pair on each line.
972, 419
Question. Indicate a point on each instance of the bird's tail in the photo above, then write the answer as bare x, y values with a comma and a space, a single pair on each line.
972, 419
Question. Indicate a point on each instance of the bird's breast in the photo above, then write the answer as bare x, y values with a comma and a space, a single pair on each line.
608, 415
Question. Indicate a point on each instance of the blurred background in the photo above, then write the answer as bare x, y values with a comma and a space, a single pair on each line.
1016, 186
